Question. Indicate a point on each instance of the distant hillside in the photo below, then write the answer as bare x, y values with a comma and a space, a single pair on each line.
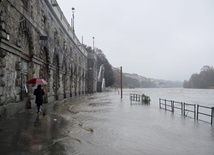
138, 81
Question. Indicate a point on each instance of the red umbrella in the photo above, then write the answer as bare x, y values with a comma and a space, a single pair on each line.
37, 81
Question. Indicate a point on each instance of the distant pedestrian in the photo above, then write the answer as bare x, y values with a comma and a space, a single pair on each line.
39, 92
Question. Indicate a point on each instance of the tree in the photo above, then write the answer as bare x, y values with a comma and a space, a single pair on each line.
205, 79
108, 73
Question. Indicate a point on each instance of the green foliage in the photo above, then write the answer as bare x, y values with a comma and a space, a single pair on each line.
101, 59
146, 99
205, 79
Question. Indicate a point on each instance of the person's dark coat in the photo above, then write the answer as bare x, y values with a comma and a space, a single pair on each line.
39, 92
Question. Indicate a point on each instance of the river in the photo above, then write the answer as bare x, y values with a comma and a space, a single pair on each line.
105, 124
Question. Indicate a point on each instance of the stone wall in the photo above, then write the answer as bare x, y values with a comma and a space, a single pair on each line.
37, 41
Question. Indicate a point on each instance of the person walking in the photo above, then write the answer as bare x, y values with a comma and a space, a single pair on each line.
39, 92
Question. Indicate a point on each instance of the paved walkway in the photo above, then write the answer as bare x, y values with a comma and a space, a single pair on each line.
30, 133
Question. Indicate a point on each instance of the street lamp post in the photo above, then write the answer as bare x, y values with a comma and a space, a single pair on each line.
73, 9
93, 44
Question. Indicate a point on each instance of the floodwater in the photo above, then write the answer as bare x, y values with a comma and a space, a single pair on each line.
104, 124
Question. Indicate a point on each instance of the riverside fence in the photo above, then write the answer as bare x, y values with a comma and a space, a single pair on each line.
139, 98
196, 111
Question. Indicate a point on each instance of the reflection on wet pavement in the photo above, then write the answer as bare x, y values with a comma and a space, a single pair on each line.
29, 133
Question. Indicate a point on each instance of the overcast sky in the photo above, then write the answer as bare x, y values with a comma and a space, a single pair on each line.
161, 39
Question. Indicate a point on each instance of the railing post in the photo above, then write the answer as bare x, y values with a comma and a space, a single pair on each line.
130, 98
142, 98
165, 104
160, 103
197, 110
184, 108
172, 105
194, 111
212, 115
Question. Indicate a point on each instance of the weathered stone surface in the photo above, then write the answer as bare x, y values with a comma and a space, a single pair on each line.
3, 53
18, 74
2, 62
1, 72
1, 91
3, 34
25, 56
18, 66
18, 82
2, 83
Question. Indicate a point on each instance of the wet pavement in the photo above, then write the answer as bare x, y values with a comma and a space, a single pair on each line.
30, 133
104, 124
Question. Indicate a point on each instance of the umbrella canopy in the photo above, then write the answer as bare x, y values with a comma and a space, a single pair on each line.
37, 81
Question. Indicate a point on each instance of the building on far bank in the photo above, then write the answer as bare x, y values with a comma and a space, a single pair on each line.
37, 41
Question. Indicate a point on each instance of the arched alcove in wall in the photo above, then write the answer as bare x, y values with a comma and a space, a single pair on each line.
56, 78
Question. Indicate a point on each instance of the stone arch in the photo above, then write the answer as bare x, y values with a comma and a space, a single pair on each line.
71, 80
75, 79
25, 37
80, 80
56, 78
64, 77
25, 66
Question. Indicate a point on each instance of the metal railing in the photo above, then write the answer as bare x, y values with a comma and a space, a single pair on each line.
139, 98
188, 110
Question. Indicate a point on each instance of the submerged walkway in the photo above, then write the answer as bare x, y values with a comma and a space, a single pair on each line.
103, 124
